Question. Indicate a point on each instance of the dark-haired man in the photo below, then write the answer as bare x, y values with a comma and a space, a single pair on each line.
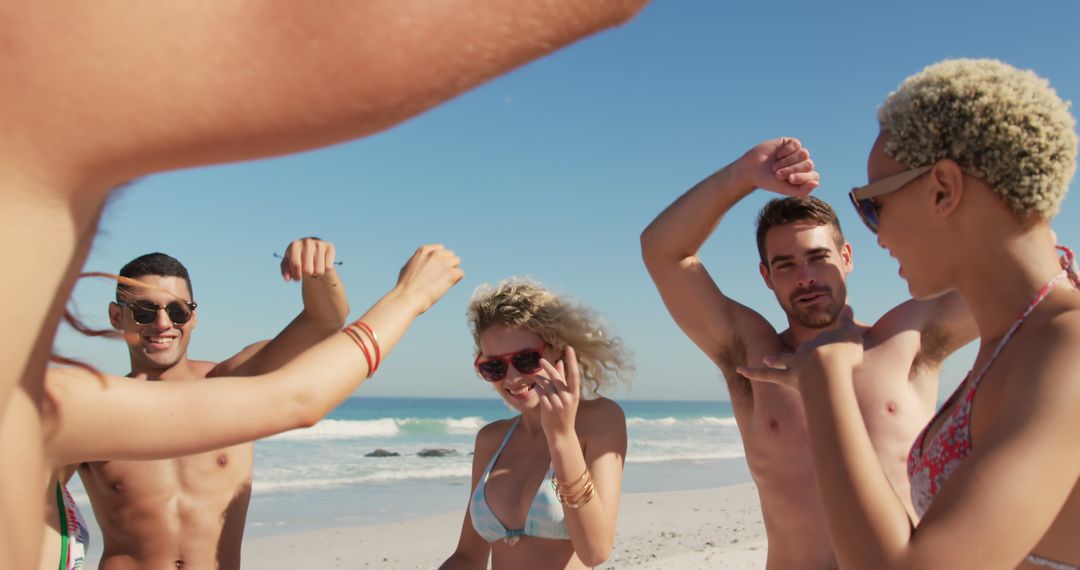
804, 261
189, 512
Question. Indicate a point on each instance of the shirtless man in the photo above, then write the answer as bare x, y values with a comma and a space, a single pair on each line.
190, 511
805, 262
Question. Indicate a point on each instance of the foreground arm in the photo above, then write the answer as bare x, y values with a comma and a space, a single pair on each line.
121, 418
591, 525
311, 261
670, 244
114, 90
1007, 477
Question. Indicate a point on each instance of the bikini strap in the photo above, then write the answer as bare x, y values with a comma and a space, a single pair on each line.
1068, 269
1068, 263
506, 438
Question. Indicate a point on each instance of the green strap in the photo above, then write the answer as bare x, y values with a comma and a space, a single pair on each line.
63, 527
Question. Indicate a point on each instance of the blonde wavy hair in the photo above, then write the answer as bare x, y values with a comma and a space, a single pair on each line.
1006, 124
561, 322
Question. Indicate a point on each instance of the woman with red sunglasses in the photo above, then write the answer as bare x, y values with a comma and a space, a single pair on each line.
973, 160
540, 352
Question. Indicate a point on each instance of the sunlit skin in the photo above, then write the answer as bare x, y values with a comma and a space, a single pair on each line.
1016, 491
806, 269
109, 92
190, 511
161, 498
596, 438
161, 346
807, 272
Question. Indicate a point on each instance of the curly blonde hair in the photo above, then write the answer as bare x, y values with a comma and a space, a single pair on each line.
1006, 124
561, 322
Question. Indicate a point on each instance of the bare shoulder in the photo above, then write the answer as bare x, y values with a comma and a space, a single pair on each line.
600, 416
600, 409
489, 436
1055, 346
203, 367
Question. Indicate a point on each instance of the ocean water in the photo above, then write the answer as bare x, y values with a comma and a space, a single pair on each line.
320, 476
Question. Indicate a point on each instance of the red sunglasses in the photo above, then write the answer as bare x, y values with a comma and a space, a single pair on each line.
494, 368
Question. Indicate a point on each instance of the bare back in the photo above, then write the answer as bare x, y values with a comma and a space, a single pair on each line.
186, 512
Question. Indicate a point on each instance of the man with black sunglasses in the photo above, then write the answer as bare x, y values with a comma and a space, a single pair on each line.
805, 261
190, 511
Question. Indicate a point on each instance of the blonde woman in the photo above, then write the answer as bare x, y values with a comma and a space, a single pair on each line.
546, 483
973, 160
97, 94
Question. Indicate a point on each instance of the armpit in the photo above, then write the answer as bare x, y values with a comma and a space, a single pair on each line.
933, 348
727, 358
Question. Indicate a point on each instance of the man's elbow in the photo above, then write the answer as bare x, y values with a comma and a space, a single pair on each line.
648, 246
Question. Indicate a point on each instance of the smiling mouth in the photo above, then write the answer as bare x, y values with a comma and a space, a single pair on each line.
521, 392
160, 342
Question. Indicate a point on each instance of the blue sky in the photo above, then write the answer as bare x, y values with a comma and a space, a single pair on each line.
553, 170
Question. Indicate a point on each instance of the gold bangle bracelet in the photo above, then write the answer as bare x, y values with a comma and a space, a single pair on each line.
561, 488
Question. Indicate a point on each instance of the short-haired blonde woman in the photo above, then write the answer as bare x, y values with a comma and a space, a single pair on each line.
545, 484
973, 160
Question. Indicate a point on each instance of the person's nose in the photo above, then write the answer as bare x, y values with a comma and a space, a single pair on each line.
805, 277
161, 320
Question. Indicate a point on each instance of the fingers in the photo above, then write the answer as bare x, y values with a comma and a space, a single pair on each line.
307, 257
573, 370
294, 261
779, 361
430, 273
765, 374
554, 377
804, 181
790, 159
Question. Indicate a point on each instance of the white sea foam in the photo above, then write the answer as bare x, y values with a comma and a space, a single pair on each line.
674, 422
416, 473
383, 427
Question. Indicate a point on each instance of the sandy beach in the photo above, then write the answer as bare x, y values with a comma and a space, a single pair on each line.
710, 528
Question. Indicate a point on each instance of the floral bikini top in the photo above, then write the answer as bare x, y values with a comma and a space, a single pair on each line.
931, 462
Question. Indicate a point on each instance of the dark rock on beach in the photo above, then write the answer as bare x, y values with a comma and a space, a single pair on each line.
382, 453
436, 452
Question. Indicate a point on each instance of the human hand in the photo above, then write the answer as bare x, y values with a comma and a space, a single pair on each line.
783, 166
842, 346
559, 389
428, 275
307, 257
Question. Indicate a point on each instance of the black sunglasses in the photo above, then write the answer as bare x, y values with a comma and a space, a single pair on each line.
145, 312
863, 197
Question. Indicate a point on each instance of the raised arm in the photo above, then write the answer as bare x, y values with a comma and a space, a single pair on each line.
670, 244
113, 90
326, 306
119, 418
591, 519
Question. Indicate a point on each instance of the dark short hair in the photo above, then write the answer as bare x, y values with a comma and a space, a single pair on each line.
153, 264
781, 211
